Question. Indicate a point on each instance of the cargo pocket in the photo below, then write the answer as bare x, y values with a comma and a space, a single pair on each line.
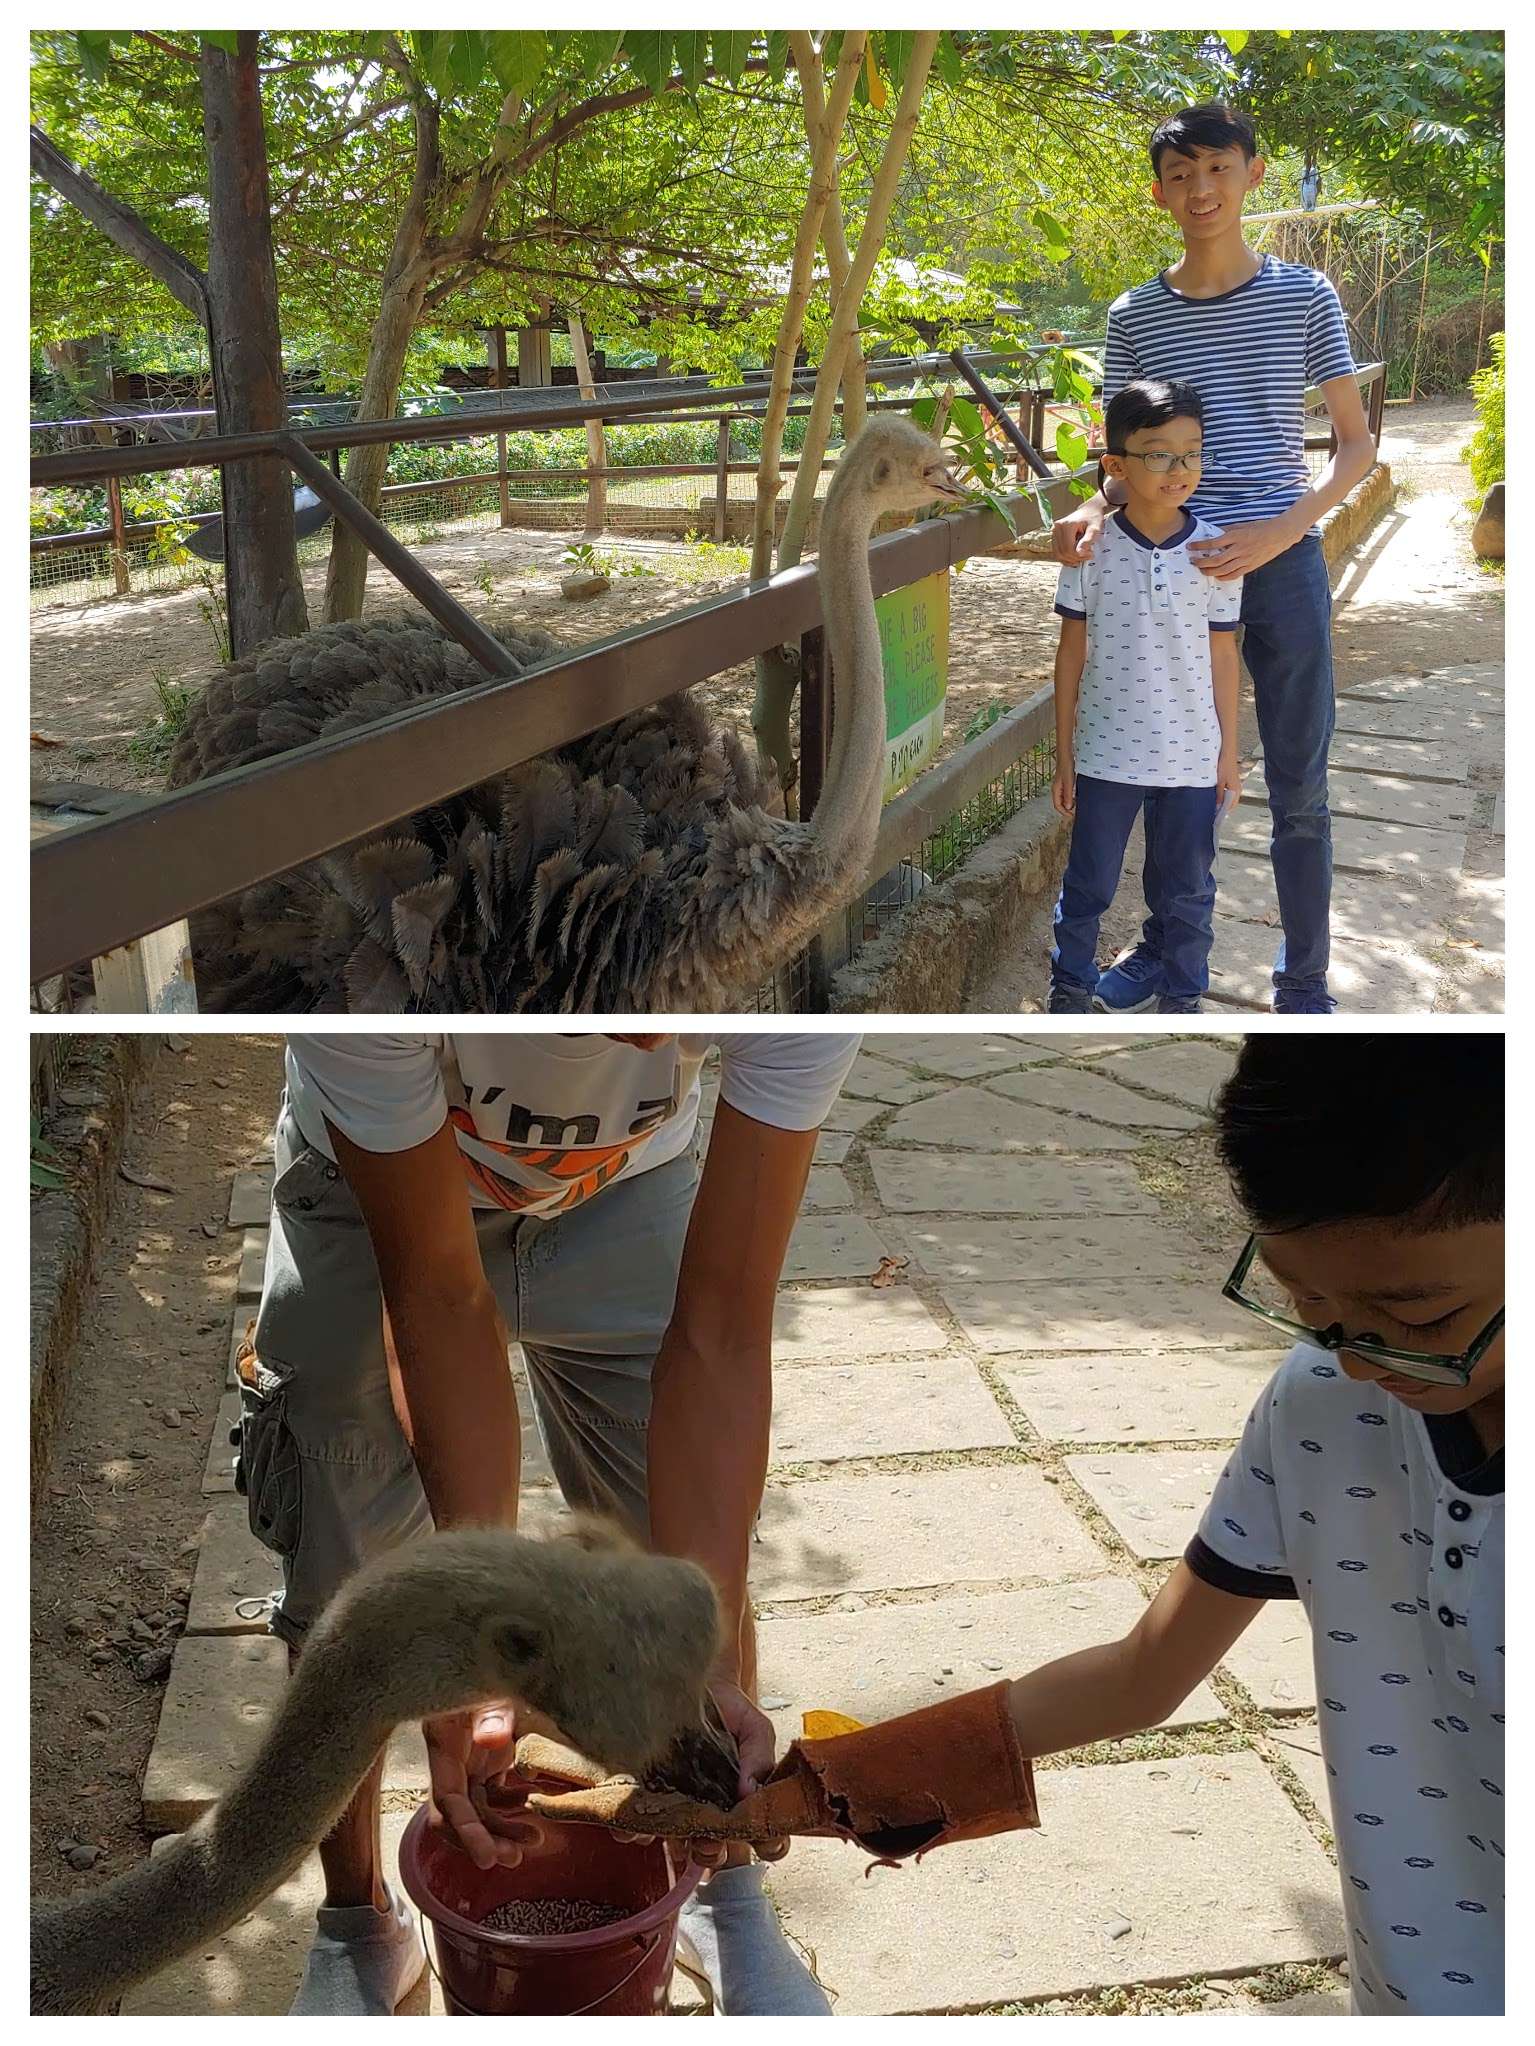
266, 1465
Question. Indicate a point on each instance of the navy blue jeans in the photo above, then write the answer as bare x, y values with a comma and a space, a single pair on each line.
1178, 878
1287, 645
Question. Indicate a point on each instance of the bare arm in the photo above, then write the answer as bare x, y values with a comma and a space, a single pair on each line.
461, 1404
1126, 1686
1225, 678
712, 1397
1070, 660
1352, 460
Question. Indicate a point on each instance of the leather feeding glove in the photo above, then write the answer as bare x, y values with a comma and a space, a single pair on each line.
950, 1772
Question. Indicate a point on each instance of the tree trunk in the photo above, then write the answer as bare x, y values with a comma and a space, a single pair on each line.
596, 451
406, 278
838, 263
777, 670
265, 593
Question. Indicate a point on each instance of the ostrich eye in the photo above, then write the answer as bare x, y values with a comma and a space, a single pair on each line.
882, 472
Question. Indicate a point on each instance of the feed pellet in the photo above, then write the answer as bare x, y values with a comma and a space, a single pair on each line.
546, 1917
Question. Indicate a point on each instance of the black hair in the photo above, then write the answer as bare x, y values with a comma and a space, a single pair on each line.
1363, 1127
1148, 401
1213, 125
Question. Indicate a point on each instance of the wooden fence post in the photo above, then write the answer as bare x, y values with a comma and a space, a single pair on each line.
498, 381
596, 446
119, 535
721, 478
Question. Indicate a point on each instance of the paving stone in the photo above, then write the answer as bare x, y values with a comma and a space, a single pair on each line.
1079, 1043
218, 1471
252, 1265
1198, 1395
963, 1055
1462, 683
219, 1701
883, 1410
886, 1660
1392, 797
827, 1189
878, 1079
233, 1569
1190, 1072
1371, 977
978, 1120
914, 1183
1153, 1500
1403, 910
1497, 813
1272, 1659
536, 1467
932, 1527
846, 1113
1169, 1846
832, 1146
1096, 1094
832, 1323
250, 1200
1426, 721
244, 1318
1127, 1246
833, 1247
1320, 2003
1135, 1314
1442, 762
253, 1970
1375, 848
1301, 1746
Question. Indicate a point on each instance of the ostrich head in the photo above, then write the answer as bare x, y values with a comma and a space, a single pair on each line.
896, 466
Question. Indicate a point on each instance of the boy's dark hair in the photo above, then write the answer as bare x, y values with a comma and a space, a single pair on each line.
1355, 1128
1148, 401
1213, 125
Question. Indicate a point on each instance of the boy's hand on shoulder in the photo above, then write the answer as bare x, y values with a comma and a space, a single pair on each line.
1063, 788
1073, 538
1241, 549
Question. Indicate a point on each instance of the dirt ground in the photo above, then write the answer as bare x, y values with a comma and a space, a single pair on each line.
94, 665
114, 1540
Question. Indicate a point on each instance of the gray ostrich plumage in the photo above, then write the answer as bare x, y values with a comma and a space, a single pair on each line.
646, 869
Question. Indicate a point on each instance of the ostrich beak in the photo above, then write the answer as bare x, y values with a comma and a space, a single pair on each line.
944, 483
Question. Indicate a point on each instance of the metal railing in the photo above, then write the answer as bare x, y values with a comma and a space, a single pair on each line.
157, 860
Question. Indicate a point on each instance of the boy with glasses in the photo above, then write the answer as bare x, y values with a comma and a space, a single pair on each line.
1145, 705
1368, 1485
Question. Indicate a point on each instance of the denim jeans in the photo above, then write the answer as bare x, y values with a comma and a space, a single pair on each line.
1178, 877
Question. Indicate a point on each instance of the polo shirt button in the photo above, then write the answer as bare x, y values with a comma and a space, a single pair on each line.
1446, 1617
1454, 1558
1459, 1510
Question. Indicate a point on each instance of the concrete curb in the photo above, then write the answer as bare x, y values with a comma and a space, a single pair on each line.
928, 958
67, 1226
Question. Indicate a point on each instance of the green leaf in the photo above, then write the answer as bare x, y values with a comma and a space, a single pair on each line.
649, 51
466, 59
518, 58
1235, 39
1070, 445
434, 52
948, 61
1003, 510
692, 48
732, 50
596, 49
94, 48
895, 48
777, 54
225, 39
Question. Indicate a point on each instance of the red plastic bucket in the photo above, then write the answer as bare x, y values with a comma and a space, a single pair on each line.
621, 1969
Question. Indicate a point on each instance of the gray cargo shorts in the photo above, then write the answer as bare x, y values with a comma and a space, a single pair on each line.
328, 1477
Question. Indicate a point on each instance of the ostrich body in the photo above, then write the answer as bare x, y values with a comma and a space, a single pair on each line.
642, 869
612, 1646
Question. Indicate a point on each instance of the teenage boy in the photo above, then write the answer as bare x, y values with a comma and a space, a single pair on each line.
1368, 1485
1251, 333
1145, 704
435, 1195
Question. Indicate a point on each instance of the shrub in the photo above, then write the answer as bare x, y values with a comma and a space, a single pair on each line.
1484, 450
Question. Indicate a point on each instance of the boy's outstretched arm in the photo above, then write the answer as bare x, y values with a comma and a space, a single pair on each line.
1070, 660
1225, 678
1125, 1686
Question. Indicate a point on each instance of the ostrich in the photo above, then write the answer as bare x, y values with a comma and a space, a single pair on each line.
646, 868
611, 1645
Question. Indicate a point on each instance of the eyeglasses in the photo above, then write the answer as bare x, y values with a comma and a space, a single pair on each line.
1162, 460
1432, 1367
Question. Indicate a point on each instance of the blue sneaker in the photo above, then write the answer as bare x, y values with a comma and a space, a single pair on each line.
1135, 983
1069, 1001
1314, 1001
1172, 1005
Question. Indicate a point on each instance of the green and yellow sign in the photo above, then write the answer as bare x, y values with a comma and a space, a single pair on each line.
914, 643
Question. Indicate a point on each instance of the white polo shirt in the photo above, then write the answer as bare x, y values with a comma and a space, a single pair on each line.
545, 1120
1146, 706
1388, 1528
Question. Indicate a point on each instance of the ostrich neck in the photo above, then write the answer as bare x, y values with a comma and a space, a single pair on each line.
847, 816
341, 1706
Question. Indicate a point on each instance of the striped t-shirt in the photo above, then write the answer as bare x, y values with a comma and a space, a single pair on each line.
1250, 354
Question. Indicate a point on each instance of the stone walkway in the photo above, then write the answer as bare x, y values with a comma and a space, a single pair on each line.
986, 1464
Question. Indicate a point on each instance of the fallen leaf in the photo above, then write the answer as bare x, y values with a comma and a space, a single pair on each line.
136, 1178
890, 1270
828, 1726
42, 739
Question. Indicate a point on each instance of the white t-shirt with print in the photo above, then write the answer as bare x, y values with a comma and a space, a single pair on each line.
1338, 1495
1146, 705
544, 1121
